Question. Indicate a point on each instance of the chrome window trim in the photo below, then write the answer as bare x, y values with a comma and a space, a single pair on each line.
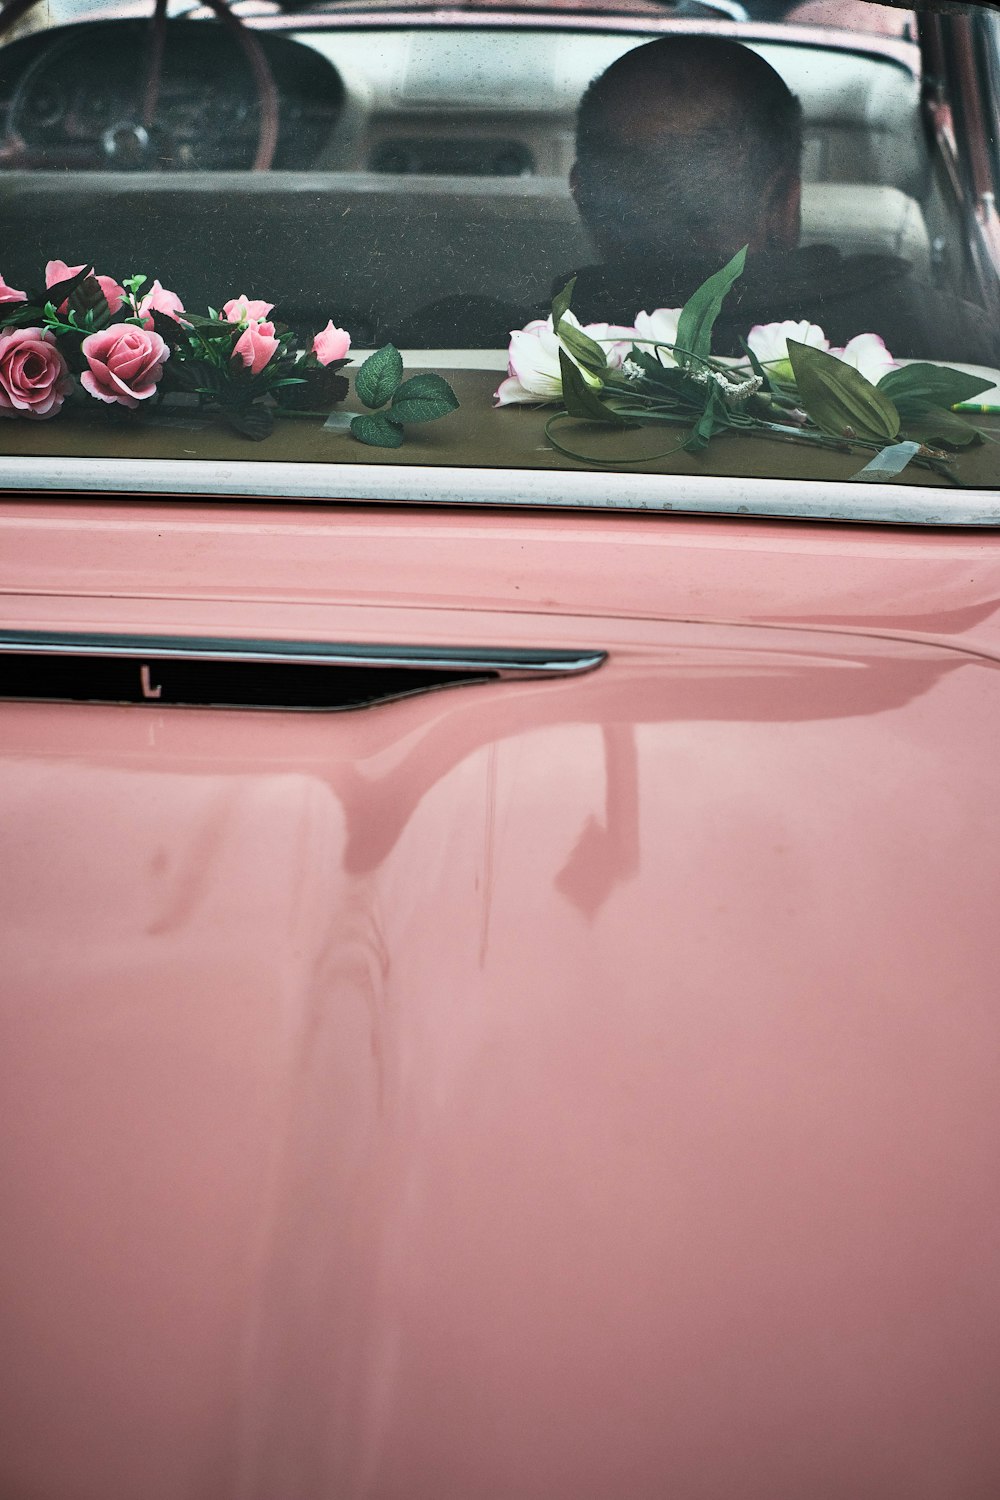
404, 484
514, 661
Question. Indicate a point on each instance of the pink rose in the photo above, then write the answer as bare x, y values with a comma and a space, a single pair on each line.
246, 310
158, 299
8, 294
125, 364
331, 343
58, 270
34, 377
255, 346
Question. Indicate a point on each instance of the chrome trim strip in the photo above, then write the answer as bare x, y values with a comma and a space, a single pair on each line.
251, 479
503, 661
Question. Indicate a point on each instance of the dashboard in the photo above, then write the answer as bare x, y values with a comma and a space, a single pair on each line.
74, 100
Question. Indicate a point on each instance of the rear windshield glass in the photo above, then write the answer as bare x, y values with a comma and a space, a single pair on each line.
233, 212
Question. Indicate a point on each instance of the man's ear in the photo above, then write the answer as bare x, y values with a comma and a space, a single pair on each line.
784, 213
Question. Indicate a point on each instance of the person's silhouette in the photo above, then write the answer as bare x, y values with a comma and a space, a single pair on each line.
689, 147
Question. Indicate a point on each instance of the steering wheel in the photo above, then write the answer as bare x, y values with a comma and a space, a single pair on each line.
94, 97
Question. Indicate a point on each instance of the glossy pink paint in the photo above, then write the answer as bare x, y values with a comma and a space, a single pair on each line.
547, 1091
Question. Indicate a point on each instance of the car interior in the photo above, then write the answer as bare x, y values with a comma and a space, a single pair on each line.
411, 162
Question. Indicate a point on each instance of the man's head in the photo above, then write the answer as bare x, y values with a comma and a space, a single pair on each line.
689, 147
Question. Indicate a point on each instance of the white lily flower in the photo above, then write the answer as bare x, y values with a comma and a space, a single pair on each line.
659, 326
532, 366
615, 339
769, 342
534, 375
869, 356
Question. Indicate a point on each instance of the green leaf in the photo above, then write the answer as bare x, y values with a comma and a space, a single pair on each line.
839, 399
694, 327
425, 387
19, 315
713, 419
755, 363
324, 388
168, 328
424, 398
420, 411
918, 388
188, 375
378, 380
771, 382
133, 283
665, 379
429, 410
647, 363
211, 328
89, 304
377, 431
943, 429
561, 302
255, 422
581, 399
60, 290
583, 348
238, 373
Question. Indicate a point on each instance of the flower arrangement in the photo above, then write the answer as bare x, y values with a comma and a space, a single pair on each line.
790, 384
88, 339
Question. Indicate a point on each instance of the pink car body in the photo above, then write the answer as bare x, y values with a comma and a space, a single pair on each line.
555, 1090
